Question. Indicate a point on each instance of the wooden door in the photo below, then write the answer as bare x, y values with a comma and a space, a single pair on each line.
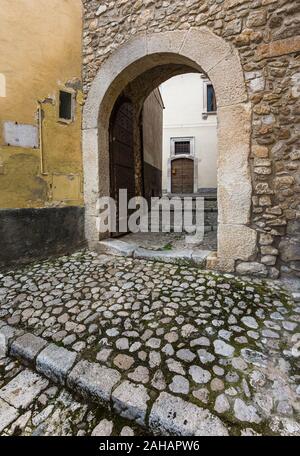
182, 176
122, 174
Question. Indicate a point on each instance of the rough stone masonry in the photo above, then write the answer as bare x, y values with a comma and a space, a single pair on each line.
265, 34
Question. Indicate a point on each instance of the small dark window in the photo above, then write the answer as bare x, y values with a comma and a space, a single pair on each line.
65, 105
211, 99
182, 147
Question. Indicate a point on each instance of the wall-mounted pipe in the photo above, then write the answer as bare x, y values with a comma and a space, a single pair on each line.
40, 120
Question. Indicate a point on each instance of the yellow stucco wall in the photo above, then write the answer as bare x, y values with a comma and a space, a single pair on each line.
40, 53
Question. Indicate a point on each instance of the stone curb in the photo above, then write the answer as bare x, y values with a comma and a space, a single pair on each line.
120, 248
100, 384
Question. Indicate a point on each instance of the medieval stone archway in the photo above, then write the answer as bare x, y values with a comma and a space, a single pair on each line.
197, 49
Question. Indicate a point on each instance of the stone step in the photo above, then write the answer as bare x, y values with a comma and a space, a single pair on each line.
210, 215
120, 248
206, 195
161, 228
102, 385
210, 222
176, 256
209, 206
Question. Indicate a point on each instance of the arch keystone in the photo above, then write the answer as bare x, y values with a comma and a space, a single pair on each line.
205, 48
165, 42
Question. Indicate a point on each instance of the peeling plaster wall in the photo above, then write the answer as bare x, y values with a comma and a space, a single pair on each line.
40, 53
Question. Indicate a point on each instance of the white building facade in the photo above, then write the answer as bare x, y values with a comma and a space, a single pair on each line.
189, 135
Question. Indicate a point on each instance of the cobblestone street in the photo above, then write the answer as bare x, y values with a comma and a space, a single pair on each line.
215, 352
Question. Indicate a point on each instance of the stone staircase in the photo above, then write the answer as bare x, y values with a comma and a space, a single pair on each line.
210, 212
189, 253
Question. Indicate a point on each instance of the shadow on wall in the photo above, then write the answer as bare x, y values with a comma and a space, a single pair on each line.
29, 234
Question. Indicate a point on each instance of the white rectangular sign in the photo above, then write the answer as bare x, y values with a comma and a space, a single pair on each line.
21, 135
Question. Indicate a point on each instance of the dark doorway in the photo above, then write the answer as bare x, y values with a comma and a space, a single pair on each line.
122, 175
182, 175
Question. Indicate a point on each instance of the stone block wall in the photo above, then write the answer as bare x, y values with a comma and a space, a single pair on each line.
266, 35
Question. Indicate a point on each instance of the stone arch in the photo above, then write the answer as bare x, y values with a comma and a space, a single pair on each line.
197, 49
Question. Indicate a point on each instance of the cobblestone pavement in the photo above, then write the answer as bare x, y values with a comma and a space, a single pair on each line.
225, 344
31, 405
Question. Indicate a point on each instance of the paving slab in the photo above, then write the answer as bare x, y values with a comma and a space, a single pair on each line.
23, 389
56, 412
116, 247
7, 414
176, 241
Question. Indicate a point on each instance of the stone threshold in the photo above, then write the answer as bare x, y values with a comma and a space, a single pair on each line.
186, 256
165, 415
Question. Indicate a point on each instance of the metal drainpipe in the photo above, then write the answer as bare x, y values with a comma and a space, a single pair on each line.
40, 111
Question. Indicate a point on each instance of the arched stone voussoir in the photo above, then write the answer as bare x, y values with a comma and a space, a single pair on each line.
170, 42
204, 47
126, 54
206, 51
220, 61
91, 170
234, 178
228, 81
